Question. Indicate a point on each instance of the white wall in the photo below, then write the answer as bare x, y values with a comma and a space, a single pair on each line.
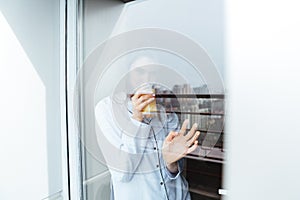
30, 109
264, 100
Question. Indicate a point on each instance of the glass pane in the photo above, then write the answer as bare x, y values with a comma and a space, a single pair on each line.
149, 66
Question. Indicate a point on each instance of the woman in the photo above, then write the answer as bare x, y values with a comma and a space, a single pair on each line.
143, 152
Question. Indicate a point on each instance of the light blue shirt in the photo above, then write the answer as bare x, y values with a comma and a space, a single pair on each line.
132, 151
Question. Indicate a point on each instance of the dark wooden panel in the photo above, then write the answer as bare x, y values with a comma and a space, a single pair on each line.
205, 178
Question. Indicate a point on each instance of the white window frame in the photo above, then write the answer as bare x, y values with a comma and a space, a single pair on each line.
70, 47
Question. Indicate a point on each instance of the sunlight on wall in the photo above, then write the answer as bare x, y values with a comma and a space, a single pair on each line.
263, 80
23, 122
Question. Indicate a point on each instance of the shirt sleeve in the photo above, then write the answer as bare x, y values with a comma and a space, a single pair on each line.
122, 150
173, 176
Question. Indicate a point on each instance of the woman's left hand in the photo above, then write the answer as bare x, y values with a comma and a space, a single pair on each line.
177, 144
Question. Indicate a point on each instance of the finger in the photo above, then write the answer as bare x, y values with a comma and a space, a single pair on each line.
192, 148
135, 96
145, 103
183, 127
143, 98
171, 136
191, 132
193, 139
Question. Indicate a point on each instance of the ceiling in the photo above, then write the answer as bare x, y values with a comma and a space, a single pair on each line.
125, 1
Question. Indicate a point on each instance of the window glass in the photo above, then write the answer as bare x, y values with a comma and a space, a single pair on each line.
151, 70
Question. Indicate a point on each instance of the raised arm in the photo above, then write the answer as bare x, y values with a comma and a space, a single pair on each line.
123, 147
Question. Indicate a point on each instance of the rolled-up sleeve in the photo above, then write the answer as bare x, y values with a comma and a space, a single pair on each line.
175, 175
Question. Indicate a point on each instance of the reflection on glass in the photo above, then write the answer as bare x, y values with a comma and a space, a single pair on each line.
180, 93
144, 149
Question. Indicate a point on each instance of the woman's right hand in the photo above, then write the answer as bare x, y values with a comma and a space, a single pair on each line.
139, 102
